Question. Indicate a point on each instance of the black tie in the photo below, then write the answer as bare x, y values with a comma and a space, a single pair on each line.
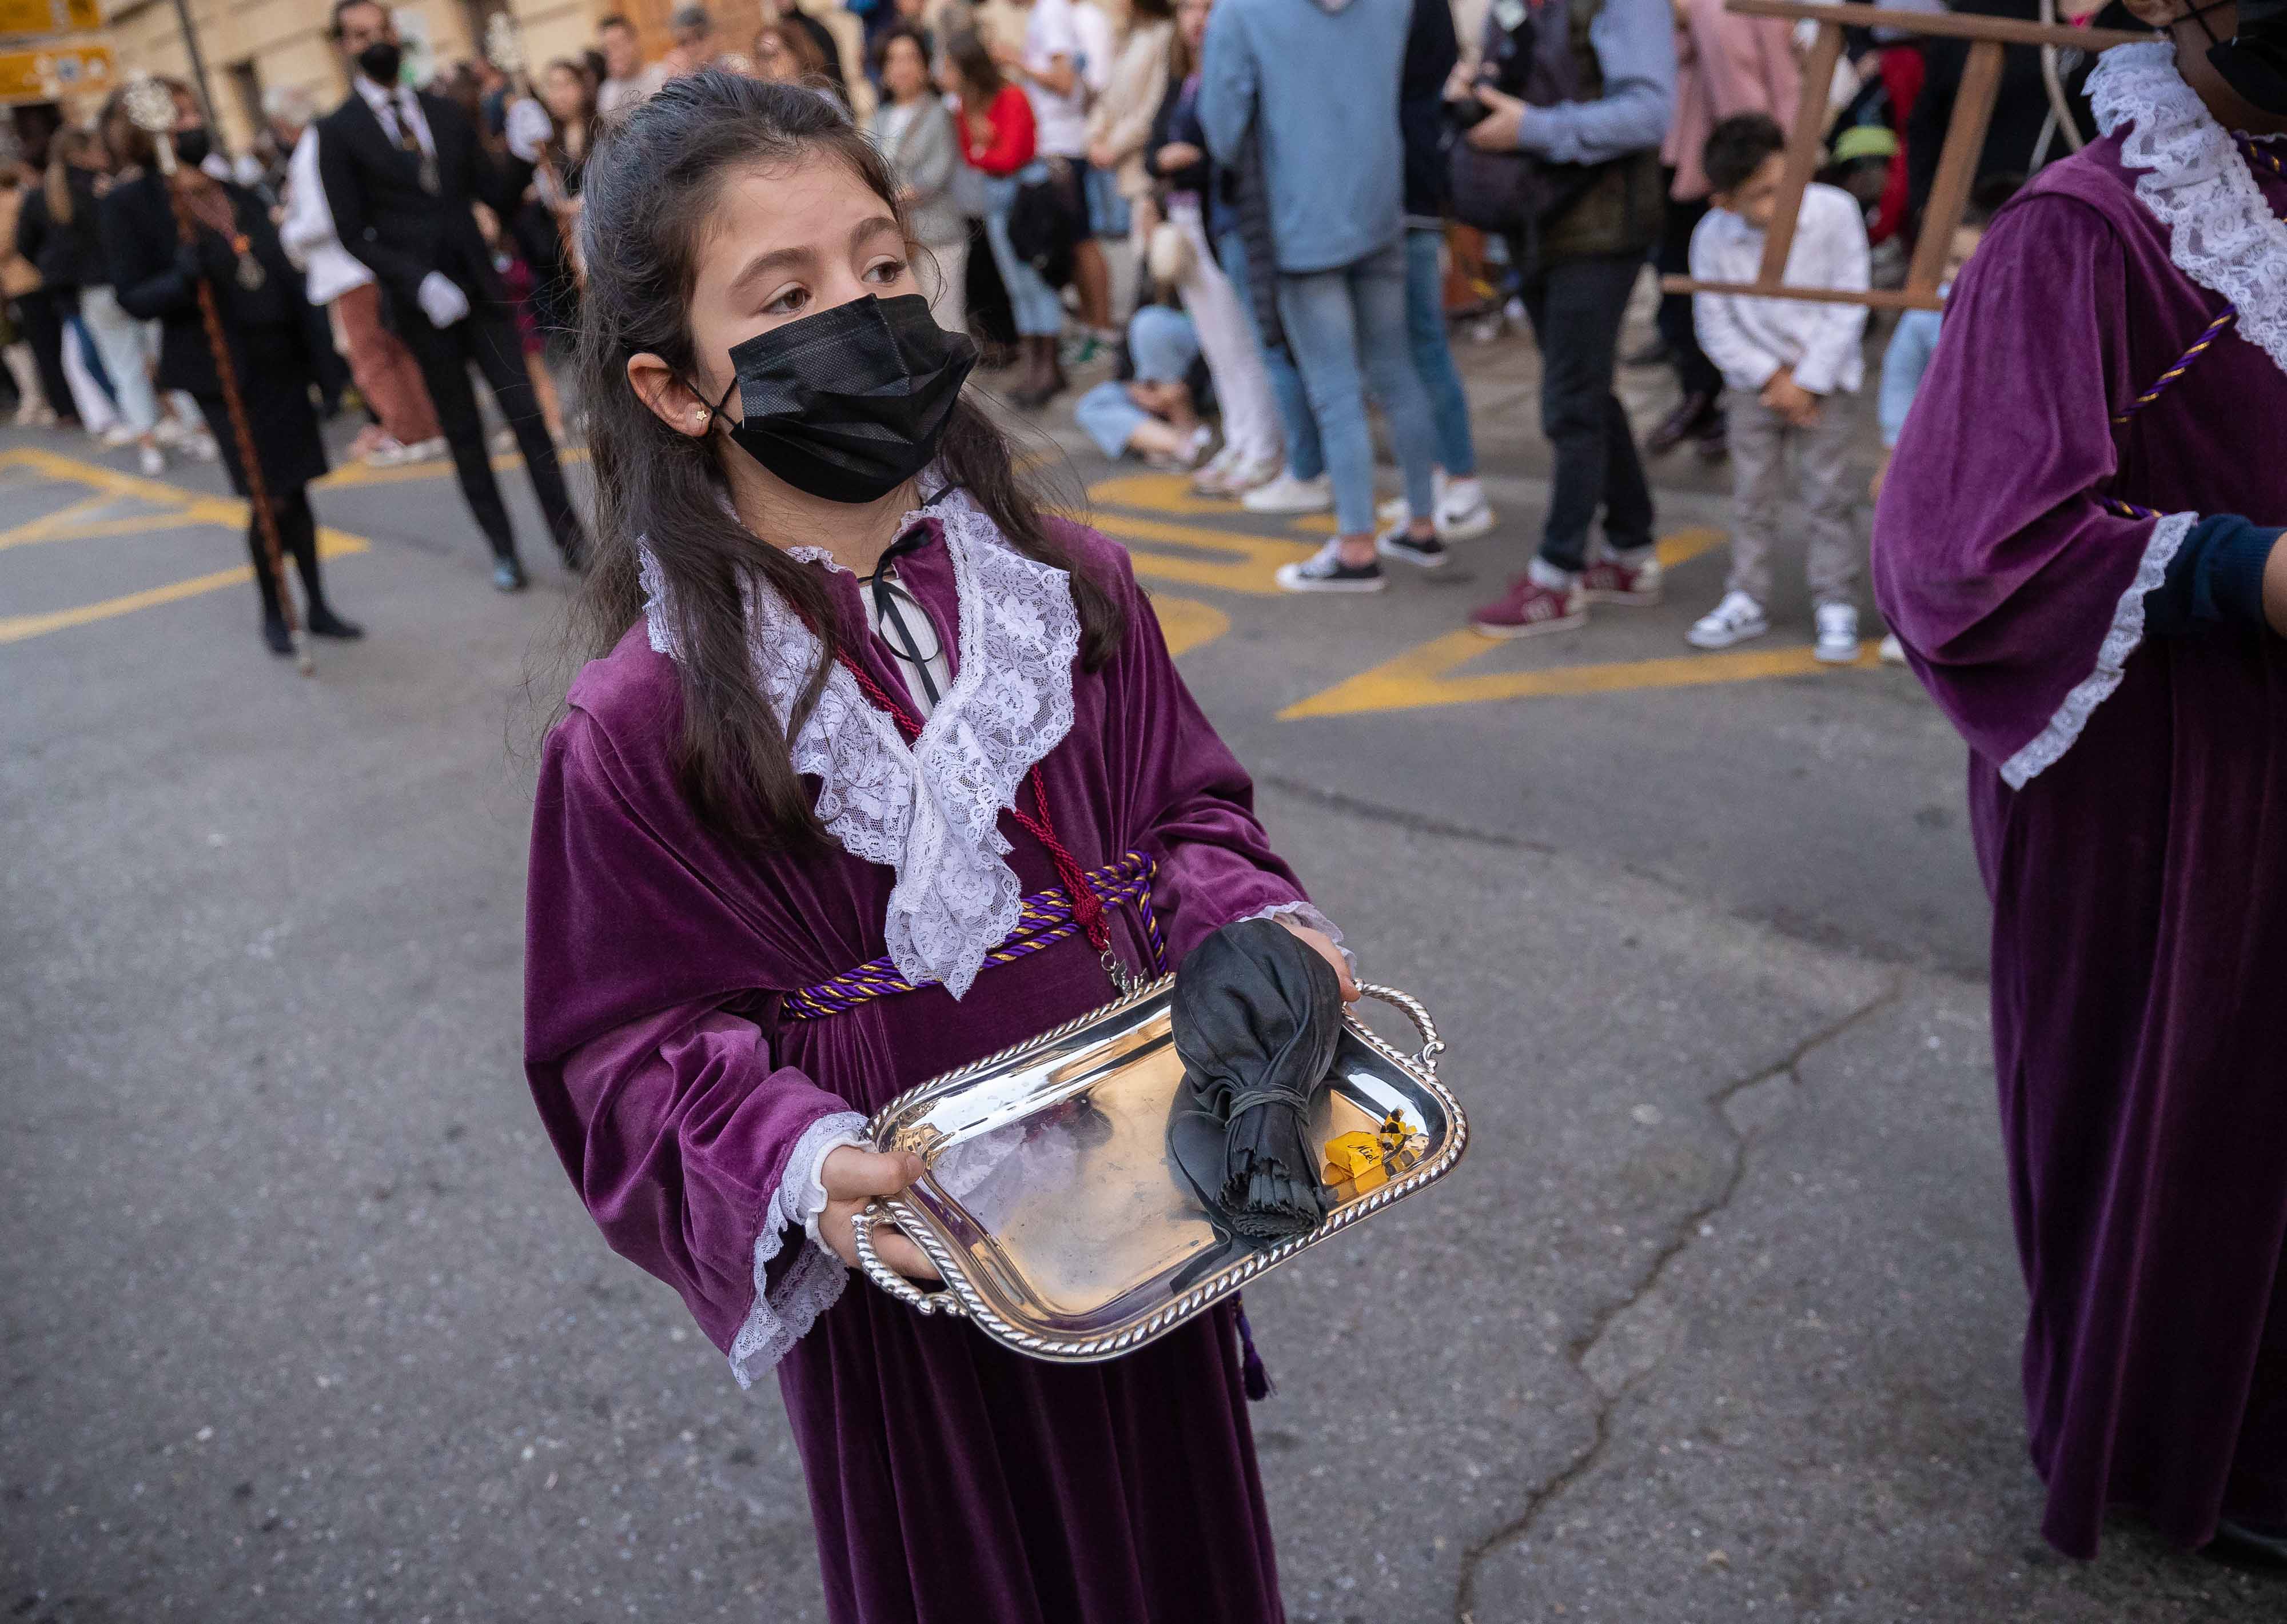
891, 614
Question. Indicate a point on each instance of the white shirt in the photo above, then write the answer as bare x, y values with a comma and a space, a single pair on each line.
1749, 339
388, 105
308, 232
1061, 122
1099, 46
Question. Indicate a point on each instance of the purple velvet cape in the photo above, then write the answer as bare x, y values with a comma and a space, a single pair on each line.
2140, 940
950, 1481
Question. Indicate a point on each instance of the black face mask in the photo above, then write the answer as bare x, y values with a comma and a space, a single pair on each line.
2254, 62
193, 146
851, 403
380, 62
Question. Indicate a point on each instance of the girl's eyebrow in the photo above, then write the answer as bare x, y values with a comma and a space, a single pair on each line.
785, 258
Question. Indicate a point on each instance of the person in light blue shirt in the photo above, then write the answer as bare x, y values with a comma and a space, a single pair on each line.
1314, 83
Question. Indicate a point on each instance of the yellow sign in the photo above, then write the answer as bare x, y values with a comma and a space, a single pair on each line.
49, 74
49, 16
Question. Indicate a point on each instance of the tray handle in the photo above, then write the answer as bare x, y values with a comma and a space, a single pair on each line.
861, 1236
1432, 1045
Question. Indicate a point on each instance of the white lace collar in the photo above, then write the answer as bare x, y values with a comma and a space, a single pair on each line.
931, 810
2221, 232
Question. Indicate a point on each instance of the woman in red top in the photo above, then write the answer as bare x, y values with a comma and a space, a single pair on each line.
997, 138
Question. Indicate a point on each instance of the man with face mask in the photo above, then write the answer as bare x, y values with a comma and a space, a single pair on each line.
400, 170
2078, 545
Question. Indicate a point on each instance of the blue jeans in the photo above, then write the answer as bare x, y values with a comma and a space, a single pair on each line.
1306, 458
1032, 303
1347, 327
1433, 356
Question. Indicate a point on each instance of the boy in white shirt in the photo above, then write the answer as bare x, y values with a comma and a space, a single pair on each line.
1791, 367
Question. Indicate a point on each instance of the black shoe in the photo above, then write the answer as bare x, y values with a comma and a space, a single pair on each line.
275, 634
508, 575
325, 623
2249, 1544
1690, 421
1423, 552
1656, 353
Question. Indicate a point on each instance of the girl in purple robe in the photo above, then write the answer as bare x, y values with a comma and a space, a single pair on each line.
807, 533
2075, 543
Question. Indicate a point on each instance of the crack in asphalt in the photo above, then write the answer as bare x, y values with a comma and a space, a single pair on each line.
1465, 1596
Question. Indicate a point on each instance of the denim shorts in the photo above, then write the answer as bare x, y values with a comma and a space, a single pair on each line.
1107, 211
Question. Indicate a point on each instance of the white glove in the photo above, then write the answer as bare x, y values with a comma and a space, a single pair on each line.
528, 130
441, 299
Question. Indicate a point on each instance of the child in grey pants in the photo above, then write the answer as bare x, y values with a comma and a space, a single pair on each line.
1791, 369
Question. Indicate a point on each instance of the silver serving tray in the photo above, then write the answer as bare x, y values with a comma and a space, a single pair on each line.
1052, 1209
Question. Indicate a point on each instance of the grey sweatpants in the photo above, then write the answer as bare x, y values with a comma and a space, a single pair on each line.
1759, 439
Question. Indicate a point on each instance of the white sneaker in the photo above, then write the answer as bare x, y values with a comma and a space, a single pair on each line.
387, 453
201, 448
1893, 652
1288, 494
1245, 476
1463, 513
428, 450
169, 432
153, 461
119, 435
1735, 619
1209, 481
1838, 636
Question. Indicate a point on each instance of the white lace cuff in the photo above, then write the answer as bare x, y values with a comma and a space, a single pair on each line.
2048, 746
1310, 919
812, 1282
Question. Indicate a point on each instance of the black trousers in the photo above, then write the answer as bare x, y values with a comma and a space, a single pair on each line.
1672, 257
486, 338
1575, 307
44, 330
298, 539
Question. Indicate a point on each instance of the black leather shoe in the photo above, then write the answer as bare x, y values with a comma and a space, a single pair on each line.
2249, 1545
508, 575
275, 635
1689, 421
325, 623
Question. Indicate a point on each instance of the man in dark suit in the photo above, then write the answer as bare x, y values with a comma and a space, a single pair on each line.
400, 171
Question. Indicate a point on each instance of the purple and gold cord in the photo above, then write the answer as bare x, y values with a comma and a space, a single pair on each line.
2183, 364
1043, 919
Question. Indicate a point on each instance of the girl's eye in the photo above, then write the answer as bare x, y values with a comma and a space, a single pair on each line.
886, 271
787, 302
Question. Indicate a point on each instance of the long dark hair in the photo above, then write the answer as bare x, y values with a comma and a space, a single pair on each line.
651, 187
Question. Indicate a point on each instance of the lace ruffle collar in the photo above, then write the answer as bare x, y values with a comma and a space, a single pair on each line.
2192, 178
930, 811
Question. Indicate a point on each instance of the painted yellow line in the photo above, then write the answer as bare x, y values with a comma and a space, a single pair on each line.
349, 474
16, 628
1247, 564
1187, 622
1160, 493
55, 465
142, 523
1681, 548
1420, 678
40, 529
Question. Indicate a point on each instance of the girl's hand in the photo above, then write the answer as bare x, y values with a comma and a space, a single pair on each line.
1324, 946
854, 1178
1178, 155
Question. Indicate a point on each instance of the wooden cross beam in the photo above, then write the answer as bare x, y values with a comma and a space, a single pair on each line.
1957, 165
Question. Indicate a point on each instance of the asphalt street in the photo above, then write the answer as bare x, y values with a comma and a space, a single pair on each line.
1719, 1321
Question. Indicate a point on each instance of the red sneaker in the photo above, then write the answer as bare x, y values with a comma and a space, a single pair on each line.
1530, 609
1608, 580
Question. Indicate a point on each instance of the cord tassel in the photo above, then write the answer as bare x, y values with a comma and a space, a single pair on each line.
1253, 1373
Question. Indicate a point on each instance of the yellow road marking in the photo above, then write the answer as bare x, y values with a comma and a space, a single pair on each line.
1187, 622
349, 474
16, 628
1419, 678
1159, 493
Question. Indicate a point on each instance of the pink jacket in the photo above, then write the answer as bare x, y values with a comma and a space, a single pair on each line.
1725, 64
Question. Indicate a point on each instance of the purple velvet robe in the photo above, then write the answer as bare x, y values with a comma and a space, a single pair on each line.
2138, 877
950, 1481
